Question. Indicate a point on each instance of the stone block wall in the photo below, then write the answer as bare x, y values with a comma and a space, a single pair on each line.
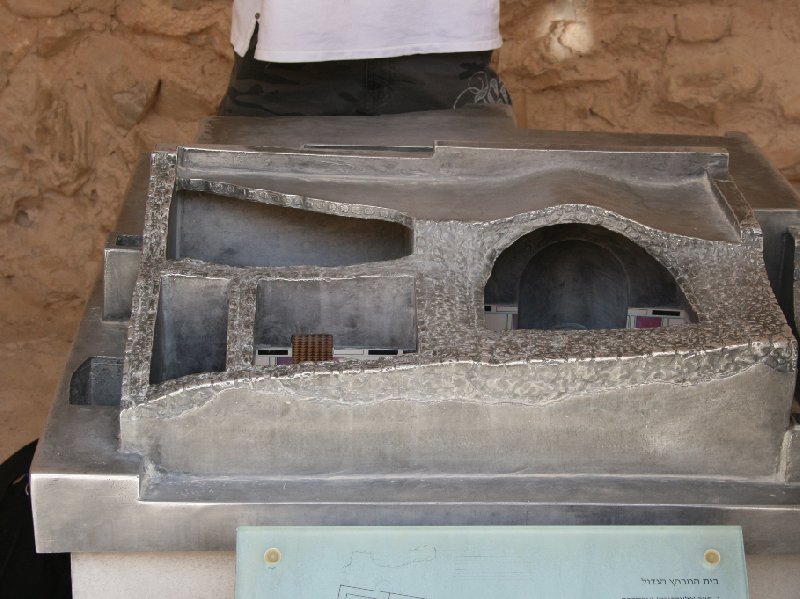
667, 66
87, 85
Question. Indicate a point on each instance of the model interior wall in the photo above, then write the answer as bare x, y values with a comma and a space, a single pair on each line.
87, 85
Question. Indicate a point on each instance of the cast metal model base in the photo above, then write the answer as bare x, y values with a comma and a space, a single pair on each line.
89, 496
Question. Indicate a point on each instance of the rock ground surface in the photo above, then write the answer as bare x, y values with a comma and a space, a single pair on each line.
87, 85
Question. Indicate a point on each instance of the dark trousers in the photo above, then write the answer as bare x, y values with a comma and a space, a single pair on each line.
361, 87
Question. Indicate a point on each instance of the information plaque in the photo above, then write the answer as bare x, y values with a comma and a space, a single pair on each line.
508, 562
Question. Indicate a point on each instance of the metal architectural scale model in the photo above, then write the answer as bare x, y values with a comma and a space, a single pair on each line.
431, 319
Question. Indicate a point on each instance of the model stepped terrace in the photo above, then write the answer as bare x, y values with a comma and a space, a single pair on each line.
389, 261
360, 325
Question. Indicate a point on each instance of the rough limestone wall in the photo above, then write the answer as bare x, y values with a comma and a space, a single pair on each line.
669, 66
86, 85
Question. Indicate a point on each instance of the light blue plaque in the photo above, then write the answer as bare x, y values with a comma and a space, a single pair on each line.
503, 562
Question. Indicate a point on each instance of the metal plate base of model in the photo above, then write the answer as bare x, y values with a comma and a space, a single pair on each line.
721, 457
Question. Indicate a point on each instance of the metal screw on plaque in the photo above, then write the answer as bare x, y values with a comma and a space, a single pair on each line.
272, 555
711, 557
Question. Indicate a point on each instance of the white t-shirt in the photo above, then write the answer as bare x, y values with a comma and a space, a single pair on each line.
319, 30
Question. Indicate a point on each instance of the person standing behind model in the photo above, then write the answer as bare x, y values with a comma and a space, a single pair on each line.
362, 57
